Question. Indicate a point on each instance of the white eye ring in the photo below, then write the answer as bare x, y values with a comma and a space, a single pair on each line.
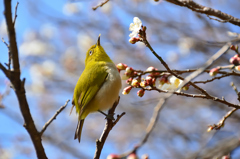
90, 52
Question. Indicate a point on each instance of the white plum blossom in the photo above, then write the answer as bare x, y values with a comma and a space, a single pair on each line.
174, 83
135, 27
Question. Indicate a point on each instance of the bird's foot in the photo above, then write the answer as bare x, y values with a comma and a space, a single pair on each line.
108, 116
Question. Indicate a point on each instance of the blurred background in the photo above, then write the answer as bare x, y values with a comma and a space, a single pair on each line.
53, 37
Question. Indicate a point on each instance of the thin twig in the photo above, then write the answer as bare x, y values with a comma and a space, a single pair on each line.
54, 117
220, 124
15, 16
216, 99
100, 4
221, 21
210, 80
108, 127
236, 90
9, 55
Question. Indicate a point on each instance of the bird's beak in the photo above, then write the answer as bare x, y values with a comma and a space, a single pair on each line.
98, 41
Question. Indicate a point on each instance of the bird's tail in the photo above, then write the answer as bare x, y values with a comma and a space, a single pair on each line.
78, 131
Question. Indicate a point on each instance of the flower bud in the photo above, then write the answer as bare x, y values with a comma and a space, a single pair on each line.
144, 28
145, 156
210, 128
143, 84
141, 92
226, 157
125, 76
129, 81
121, 66
127, 90
132, 156
139, 79
133, 40
235, 60
237, 68
113, 156
135, 83
213, 72
149, 80
234, 47
129, 69
163, 80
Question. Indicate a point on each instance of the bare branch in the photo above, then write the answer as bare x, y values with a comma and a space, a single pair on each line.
206, 10
236, 90
222, 121
14, 77
9, 55
15, 16
210, 80
54, 117
100, 5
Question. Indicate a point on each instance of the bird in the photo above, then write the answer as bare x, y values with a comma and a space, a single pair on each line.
97, 88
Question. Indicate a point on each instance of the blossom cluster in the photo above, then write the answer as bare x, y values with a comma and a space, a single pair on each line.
138, 31
147, 80
235, 61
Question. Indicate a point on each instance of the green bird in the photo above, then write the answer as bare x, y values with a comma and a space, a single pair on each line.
98, 86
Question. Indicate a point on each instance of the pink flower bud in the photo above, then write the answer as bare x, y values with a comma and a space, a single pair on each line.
141, 92
129, 69
132, 156
113, 156
129, 81
149, 80
226, 157
213, 72
121, 66
127, 90
133, 40
135, 83
235, 60
151, 68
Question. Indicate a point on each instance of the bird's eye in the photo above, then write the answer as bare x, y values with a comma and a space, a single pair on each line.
90, 52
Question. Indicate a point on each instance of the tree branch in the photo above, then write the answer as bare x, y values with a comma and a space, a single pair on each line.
15, 17
206, 10
100, 5
108, 127
54, 117
18, 85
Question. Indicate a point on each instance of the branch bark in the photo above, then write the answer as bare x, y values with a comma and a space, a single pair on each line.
18, 84
108, 127
224, 17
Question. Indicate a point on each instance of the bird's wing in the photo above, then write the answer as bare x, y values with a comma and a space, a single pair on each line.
88, 86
